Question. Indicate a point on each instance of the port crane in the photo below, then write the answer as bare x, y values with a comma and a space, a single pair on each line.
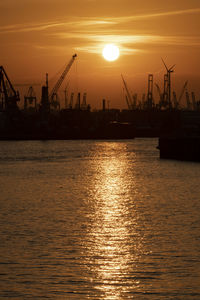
178, 101
84, 102
30, 99
53, 94
161, 96
182, 92
8, 96
128, 96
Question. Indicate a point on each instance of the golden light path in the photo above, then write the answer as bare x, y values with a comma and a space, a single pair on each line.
110, 52
109, 233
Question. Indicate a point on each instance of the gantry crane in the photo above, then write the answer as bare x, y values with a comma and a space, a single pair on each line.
53, 94
30, 98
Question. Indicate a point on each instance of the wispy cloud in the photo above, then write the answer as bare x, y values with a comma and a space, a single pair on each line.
17, 28
75, 22
123, 39
89, 34
155, 15
98, 50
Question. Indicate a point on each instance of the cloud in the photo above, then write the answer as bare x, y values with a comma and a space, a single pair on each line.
75, 22
155, 15
122, 39
98, 50
89, 34
17, 28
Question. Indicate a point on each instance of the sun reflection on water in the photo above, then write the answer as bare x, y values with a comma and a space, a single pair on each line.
111, 251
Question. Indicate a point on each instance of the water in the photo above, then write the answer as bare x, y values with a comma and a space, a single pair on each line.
97, 220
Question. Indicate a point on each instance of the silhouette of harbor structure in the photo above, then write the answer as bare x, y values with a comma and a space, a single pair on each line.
48, 120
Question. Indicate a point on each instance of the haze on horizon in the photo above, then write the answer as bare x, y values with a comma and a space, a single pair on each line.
39, 37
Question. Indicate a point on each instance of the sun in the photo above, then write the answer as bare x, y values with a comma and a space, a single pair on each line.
110, 52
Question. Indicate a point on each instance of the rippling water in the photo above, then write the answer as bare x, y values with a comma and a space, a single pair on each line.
97, 220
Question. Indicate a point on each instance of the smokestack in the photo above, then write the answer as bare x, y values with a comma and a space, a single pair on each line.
104, 104
79, 101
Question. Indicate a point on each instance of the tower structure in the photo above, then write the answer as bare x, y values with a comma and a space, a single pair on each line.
84, 104
150, 92
45, 105
168, 78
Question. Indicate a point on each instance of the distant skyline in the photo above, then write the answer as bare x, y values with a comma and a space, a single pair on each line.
39, 37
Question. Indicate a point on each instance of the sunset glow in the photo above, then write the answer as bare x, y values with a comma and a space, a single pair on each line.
110, 52
34, 43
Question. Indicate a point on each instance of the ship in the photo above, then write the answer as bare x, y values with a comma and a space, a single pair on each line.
184, 142
185, 148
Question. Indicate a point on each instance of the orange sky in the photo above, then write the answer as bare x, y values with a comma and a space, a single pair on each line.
41, 36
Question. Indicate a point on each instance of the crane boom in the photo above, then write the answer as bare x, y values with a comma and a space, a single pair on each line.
62, 77
8, 96
128, 96
159, 91
182, 91
2, 74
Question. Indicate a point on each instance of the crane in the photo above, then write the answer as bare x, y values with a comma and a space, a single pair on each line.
182, 92
84, 103
53, 93
8, 96
128, 96
160, 95
175, 102
30, 98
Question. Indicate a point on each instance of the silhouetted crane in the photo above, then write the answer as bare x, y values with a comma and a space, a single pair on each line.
182, 92
53, 94
8, 96
128, 96
30, 98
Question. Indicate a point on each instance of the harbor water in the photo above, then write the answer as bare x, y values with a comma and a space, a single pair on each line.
97, 220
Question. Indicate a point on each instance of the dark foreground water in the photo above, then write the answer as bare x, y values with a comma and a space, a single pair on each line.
97, 220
